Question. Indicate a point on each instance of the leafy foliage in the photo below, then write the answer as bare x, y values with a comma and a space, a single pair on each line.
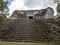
58, 7
3, 5
56, 41
2, 18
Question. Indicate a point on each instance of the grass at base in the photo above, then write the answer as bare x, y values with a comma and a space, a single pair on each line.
22, 43
56, 42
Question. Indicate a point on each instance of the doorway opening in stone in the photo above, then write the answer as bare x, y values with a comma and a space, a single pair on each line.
30, 17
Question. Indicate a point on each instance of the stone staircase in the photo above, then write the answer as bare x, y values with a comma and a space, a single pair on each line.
28, 30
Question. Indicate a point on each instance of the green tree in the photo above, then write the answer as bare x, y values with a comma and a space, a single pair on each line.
57, 1
58, 7
3, 5
56, 24
58, 14
2, 18
3, 10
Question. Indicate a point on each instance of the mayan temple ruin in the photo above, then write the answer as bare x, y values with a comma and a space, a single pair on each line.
47, 13
30, 25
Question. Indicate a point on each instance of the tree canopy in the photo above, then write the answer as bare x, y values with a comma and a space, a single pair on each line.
3, 5
2, 17
58, 7
3, 9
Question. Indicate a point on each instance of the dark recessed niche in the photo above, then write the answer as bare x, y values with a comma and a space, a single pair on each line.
59, 31
30, 17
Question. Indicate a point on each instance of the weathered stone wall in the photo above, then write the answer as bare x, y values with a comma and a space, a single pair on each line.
31, 30
47, 13
25, 30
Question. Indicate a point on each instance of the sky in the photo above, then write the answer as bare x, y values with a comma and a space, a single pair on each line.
30, 5
9, 2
